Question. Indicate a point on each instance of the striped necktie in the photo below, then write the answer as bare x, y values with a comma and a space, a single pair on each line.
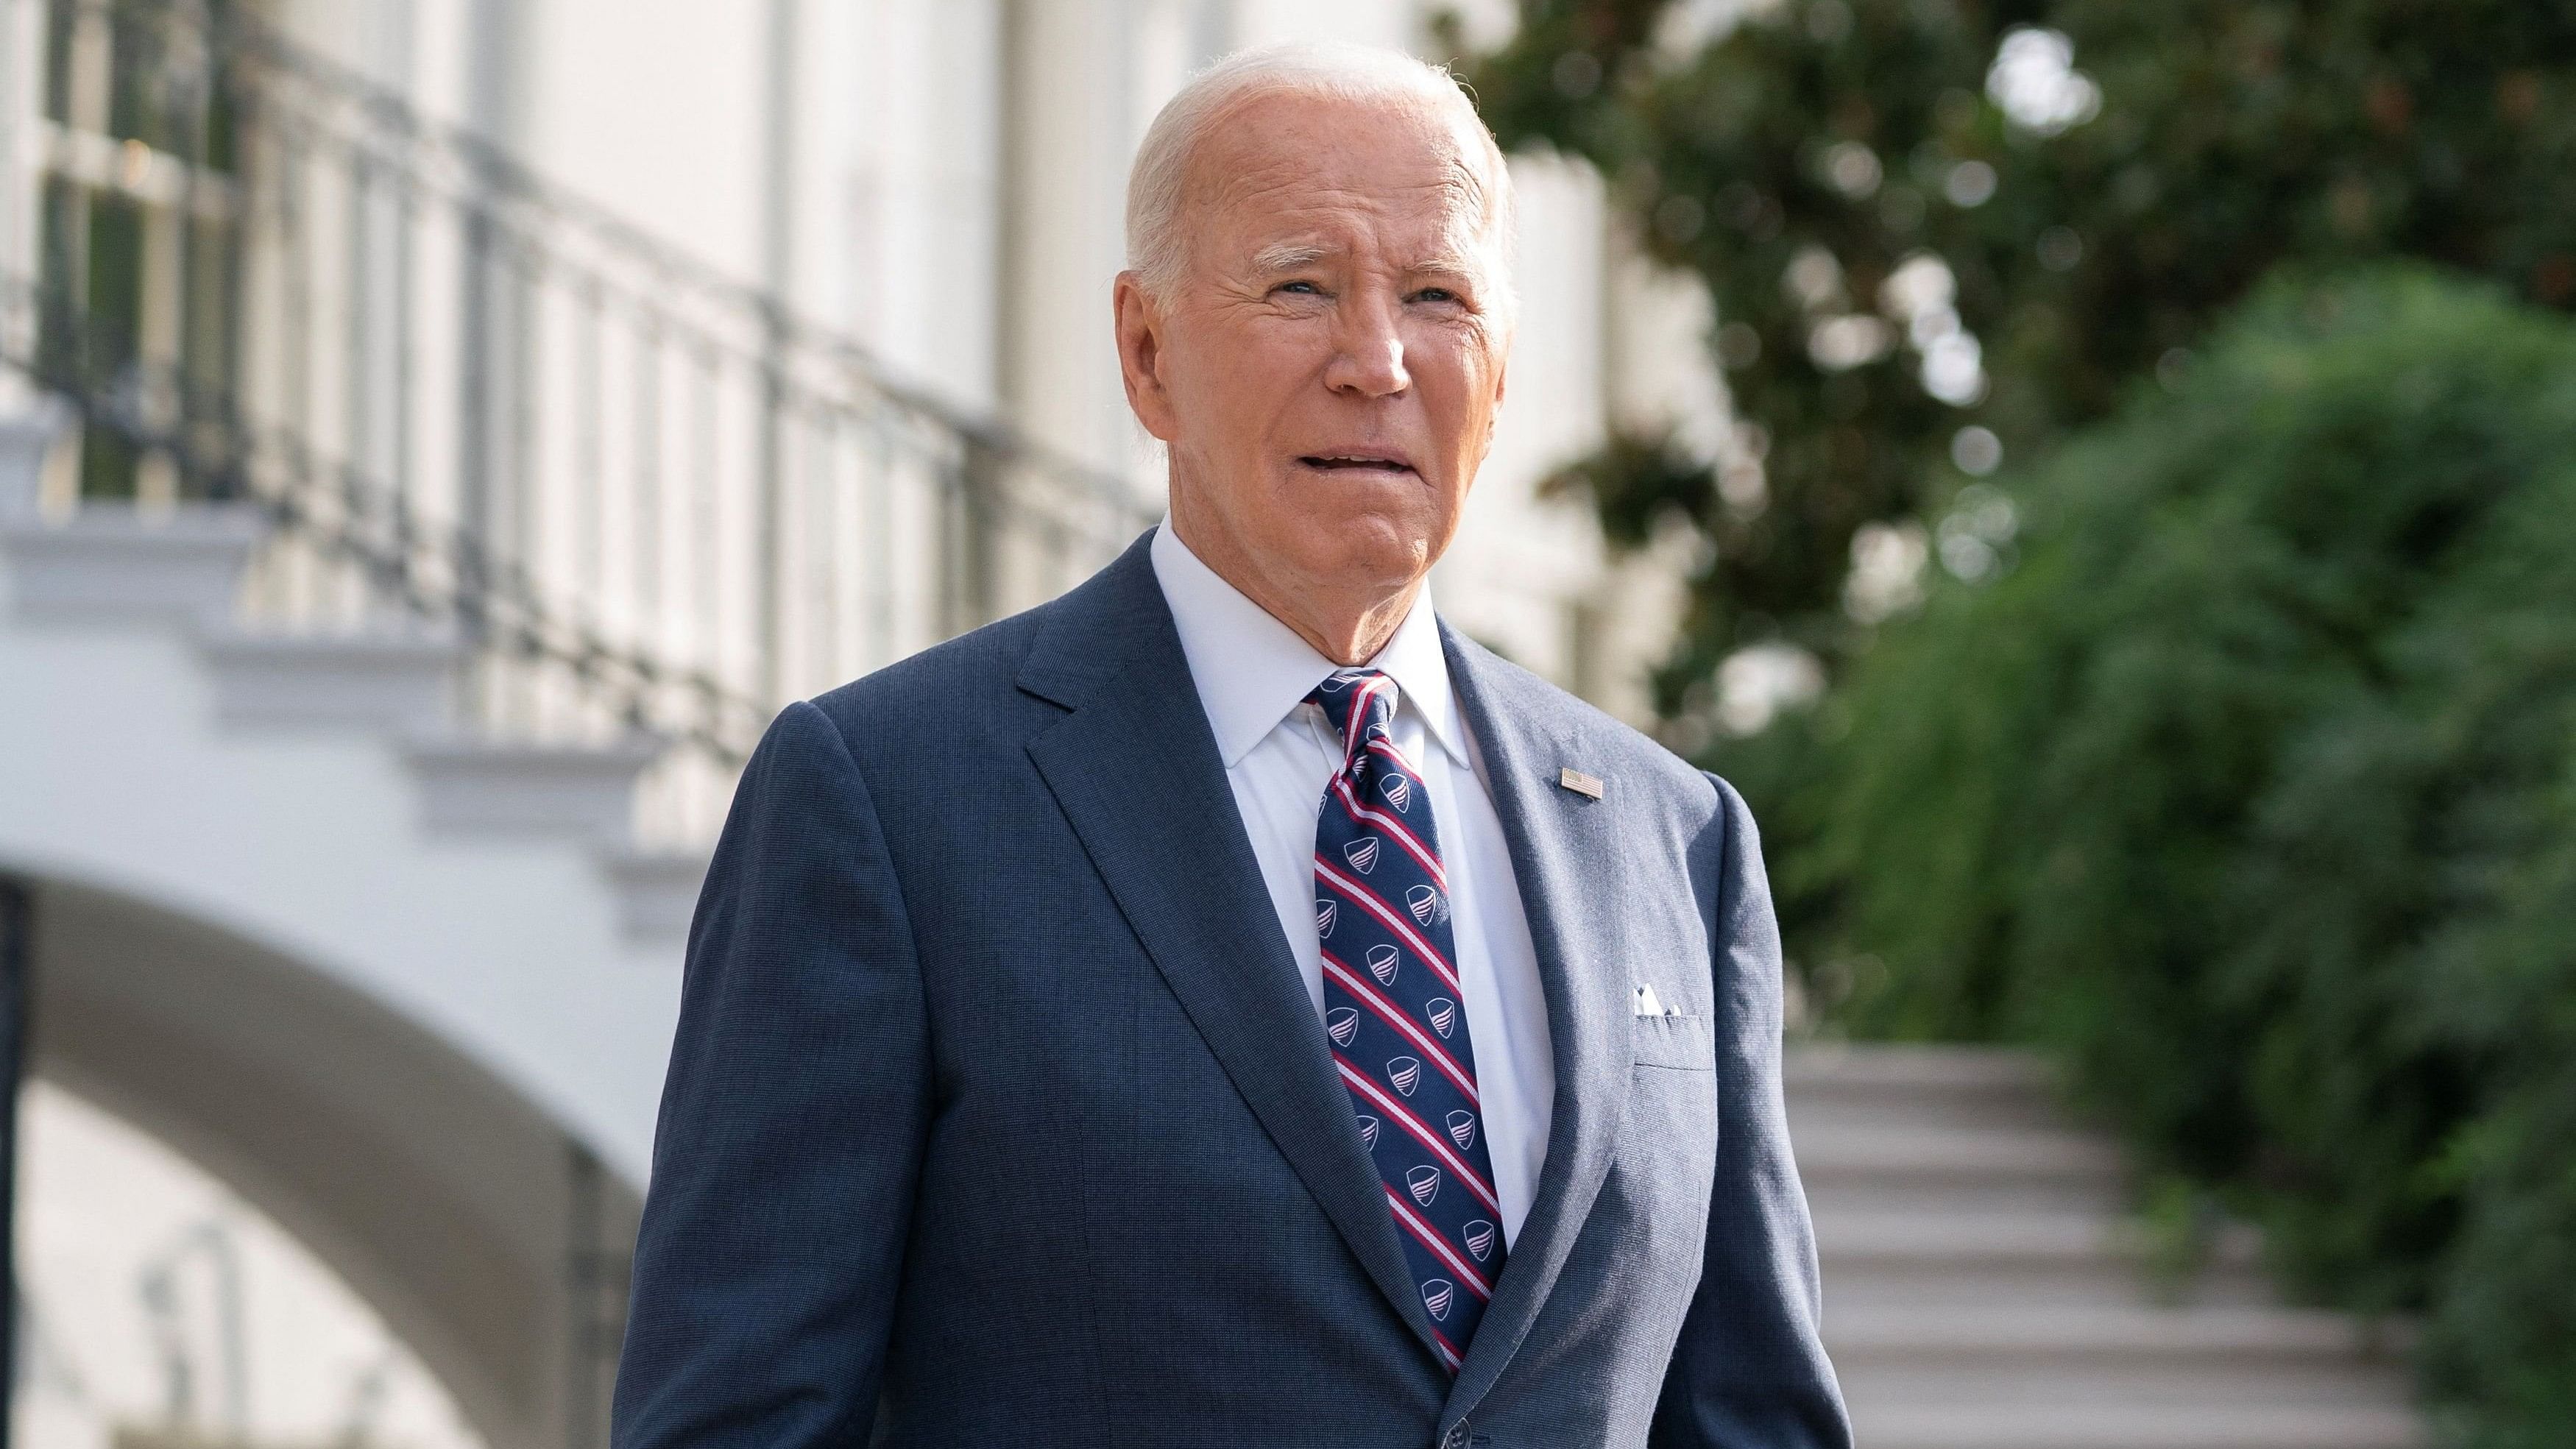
1392, 1010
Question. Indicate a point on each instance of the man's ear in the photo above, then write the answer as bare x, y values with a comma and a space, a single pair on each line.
1140, 355
1494, 415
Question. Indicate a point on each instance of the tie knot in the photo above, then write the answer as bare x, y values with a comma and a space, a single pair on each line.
1361, 705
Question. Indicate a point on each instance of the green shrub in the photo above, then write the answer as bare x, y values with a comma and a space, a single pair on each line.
2250, 787
1798, 154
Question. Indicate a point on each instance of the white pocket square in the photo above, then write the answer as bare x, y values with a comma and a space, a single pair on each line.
1647, 1004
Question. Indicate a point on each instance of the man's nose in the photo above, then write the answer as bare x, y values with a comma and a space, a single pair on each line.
1368, 352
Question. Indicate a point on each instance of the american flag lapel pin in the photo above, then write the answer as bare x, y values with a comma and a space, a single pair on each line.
1587, 786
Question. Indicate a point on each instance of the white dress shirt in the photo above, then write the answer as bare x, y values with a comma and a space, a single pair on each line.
1253, 675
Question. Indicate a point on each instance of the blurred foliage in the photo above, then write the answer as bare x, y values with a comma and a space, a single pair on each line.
2251, 789
2232, 751
1798, 156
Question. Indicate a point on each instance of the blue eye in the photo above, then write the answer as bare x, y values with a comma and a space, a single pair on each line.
1435, 294
1307, 288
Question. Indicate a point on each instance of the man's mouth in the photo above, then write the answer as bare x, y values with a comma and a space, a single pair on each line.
1355, 463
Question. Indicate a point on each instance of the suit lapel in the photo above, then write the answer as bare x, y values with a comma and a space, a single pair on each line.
1136, 771
1557, 840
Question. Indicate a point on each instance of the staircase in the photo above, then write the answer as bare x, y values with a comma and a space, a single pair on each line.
181, 569
571, 511
555, 512
1983, 1289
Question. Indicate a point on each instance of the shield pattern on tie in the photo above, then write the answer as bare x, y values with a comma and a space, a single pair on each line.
1400, 1040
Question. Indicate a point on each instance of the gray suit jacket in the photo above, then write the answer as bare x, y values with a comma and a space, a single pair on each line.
998, 1113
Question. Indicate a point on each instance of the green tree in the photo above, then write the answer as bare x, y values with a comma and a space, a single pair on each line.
2086, 227
2251, 790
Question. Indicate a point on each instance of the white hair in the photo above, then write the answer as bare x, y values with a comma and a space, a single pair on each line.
1157, 239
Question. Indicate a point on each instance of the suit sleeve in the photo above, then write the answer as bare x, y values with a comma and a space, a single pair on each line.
789, 1143
1749, 1370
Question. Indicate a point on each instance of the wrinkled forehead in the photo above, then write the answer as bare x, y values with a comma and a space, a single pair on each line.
1277, 163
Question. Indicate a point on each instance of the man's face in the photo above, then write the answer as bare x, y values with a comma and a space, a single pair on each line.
1327, 371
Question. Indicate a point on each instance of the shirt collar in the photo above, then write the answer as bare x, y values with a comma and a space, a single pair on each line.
1251, 670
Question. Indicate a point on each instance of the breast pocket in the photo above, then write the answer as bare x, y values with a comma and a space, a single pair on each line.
1680, 1042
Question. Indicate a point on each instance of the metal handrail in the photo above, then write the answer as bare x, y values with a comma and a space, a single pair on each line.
666, 501
506, 176
331, 507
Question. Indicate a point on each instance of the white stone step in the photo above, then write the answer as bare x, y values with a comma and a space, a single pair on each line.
1984, 1285
2112, 1354
657, 890
1919, 1170
479, 786
1915, 1067
29, 429
1885, 1088
402, 682
1844, 1150
2232, 1426
1893, 1333
1962, 1238
2037, 1257
180, 564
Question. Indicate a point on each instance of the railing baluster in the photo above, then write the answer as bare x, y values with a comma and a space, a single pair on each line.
242, 120
12, 174
522, 374
588, 419
358, 364
766, 520
876, 479
473, 360
646, 467
295, 564
822, 542
295, 279
399, 479
357, 369
706, 597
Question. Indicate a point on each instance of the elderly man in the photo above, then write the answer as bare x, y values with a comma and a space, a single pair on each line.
1224, 1005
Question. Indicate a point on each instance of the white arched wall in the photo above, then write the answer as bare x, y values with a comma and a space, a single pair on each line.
444, 1198
114, 771
396, 1042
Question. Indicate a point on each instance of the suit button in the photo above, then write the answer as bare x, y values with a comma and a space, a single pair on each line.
1456, 1438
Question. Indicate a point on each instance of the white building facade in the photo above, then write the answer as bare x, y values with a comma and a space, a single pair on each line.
434, 433
944, 180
